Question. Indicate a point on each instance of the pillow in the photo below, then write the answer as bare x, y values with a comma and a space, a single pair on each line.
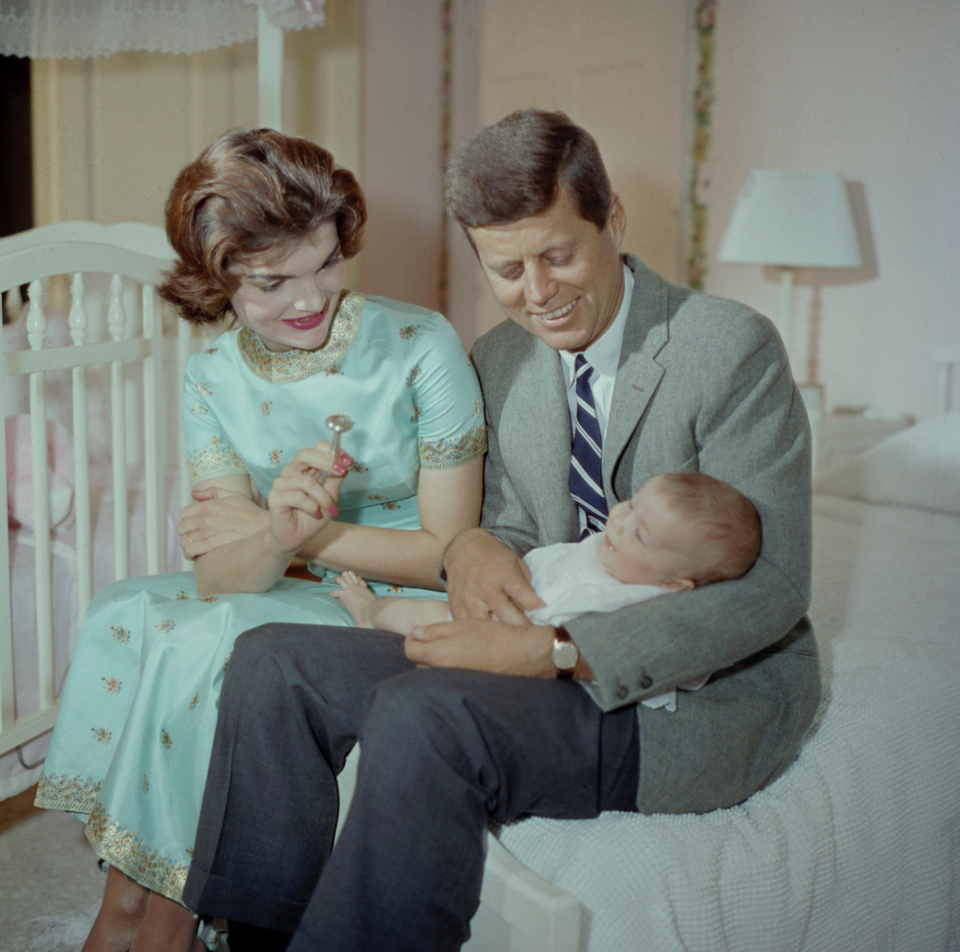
919, 466
20, 471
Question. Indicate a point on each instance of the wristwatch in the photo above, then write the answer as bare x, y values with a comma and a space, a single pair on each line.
565, 653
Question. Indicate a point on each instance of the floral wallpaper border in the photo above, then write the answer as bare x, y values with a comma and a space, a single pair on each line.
703, 99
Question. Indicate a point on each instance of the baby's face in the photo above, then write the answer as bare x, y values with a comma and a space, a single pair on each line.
645, 543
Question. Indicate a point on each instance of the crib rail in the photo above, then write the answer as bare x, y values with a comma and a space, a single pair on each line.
128, 253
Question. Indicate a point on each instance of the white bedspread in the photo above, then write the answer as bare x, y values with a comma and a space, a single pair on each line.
857, 845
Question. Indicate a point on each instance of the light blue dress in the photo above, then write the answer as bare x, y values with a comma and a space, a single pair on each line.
136, 722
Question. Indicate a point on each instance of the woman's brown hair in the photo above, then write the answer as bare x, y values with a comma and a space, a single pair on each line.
250, 193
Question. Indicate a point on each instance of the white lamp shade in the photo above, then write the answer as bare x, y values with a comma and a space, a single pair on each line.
792, 219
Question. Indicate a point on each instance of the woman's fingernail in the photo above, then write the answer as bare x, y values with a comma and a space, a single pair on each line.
346, 459
333, 511
339, 468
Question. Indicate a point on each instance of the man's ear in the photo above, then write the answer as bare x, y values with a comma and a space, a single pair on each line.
679, 584
618, 220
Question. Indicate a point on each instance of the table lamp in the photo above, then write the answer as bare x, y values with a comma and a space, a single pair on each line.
791, 220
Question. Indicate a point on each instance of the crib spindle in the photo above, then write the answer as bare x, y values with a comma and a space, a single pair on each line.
184, 349
152, 401
117, 322
7, 697
36, 331
78, 323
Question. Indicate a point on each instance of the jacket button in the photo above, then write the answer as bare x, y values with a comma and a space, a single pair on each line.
645, 682
622, 691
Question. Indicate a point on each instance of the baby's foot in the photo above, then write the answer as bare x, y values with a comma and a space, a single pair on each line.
356, 597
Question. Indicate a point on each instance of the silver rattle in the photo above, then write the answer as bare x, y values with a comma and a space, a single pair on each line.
337, 423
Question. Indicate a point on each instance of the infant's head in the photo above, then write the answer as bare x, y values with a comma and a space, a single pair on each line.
679, 531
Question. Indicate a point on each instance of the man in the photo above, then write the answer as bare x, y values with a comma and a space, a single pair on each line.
672, 380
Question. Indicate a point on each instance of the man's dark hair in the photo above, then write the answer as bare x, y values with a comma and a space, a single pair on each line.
516, 168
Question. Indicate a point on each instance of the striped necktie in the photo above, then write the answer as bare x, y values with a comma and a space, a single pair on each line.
586, 481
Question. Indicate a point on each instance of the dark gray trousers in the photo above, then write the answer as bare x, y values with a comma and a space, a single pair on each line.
442, 751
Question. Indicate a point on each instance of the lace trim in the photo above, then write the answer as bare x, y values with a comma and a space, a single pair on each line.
451, 452
123, 848
293, 365
76, 794
218, 459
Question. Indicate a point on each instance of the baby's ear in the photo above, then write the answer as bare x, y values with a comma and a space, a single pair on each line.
679, 584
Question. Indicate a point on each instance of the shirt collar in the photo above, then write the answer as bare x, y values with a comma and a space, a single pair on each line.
604, 353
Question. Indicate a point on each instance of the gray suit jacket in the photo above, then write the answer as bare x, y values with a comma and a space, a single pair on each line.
703, 384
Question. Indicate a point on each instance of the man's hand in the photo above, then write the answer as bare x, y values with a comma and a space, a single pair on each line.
484, 646
217, 517
487, 580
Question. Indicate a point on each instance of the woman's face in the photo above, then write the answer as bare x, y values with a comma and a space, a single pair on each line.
289, 302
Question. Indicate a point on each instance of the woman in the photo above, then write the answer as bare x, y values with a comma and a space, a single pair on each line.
262, 225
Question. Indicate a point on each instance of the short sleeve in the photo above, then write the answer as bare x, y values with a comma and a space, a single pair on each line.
209, 454
447, 401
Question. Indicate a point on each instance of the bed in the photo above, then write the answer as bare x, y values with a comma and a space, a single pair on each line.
856, 846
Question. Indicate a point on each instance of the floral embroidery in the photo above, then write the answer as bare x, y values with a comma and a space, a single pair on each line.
226, 662
296, 364
359, 468
212, 350
196, 408
112, 685
217, 459
416, 413
168, 624
123, 848
409, 332
193, 703
276, 457
395, 589
120, 633
67, 793
165, 741
391, 505
334, 371
375, 497
101, 735
210, 599
182, 596
455, 450
204, 389
215, 439
477, 406
413, 376
266, 407
146, 783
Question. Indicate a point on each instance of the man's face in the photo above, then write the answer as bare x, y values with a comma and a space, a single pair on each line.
555, 274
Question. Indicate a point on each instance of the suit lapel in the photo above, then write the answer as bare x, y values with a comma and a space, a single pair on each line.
638, 374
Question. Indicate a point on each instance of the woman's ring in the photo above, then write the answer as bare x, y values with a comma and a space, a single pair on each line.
189, 540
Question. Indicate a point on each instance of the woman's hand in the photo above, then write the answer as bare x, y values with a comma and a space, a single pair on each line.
485, 579
216, 517
299, 505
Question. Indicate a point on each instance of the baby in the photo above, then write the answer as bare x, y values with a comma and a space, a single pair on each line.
678, 531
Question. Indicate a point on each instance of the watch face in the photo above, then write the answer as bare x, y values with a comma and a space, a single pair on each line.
565, 655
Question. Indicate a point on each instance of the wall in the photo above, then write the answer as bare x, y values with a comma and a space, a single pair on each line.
871, 92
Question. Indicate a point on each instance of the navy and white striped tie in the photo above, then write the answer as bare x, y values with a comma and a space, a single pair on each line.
586, 481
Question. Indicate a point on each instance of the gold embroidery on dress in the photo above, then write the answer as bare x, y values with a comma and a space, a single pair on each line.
409, 332
120, 633
290, 365
216, 459
112, 685
453, 451
131, 855
101, 735
67, 793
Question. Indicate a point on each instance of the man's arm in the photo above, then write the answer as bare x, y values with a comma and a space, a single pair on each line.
750, 430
